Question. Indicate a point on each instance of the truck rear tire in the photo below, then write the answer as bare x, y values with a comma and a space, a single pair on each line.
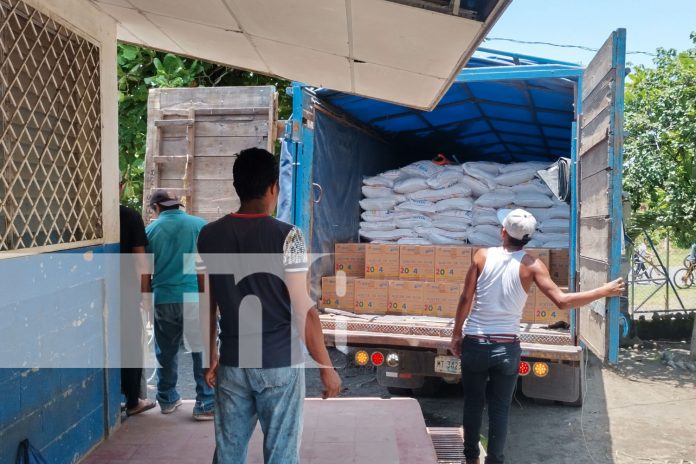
398, 391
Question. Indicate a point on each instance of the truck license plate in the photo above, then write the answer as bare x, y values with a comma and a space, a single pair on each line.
448, 365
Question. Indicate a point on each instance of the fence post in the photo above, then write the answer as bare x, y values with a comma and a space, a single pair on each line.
668, 275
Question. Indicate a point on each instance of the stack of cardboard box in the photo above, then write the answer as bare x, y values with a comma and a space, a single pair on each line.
422, 280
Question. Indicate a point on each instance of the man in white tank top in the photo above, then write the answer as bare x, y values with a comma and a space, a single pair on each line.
498, 282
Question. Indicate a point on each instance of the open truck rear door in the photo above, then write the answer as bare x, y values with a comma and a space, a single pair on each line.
599, 164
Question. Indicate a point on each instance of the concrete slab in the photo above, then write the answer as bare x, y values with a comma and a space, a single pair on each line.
346, 430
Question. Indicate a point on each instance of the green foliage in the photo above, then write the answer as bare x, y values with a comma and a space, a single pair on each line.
140, 69
660, 145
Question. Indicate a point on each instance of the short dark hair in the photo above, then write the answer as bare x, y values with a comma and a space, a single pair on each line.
517, 242
255, 169
167, 208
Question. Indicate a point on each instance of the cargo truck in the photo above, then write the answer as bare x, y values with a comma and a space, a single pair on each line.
502, 107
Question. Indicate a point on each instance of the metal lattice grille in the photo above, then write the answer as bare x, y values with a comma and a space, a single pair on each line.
50, 127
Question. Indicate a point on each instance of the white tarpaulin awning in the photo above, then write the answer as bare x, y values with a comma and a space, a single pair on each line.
384, 49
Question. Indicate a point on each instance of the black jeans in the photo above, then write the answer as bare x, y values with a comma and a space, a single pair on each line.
489, 371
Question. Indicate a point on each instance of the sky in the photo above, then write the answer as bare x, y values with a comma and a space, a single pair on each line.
649, 24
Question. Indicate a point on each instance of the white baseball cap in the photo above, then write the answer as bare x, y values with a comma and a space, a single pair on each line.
518, 223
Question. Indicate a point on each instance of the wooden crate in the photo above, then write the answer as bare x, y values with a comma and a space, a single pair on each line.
193, 135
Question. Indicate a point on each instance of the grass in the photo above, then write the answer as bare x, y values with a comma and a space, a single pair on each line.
659, 301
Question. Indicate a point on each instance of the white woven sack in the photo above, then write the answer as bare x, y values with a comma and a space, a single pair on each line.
477, 186
479, 238
384, 242
452, 224
559, 212
484, 210
378, 181
414, 241
453, 213
418, 206
540, 214
449, 176
392, 174
411, 222
384, 225
424, 168
380, 204
515, 177
485, 218
493, 231
463, 204
473, 171
437, 239
489, 167
394, 235
369, 191
426, 232
533, 165
532, 200
410, 184
557, 244
455, 191
532, 187
533, 243
560, 226
551, 237
381, 216
496, 199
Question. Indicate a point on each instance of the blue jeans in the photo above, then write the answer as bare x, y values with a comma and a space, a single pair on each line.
169, 333
489, 371
274, 397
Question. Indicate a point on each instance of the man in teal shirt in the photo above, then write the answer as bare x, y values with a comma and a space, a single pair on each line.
172, 241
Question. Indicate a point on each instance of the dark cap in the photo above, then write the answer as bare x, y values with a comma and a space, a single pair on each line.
164, 198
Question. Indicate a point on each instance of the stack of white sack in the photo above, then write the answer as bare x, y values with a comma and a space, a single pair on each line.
425, 203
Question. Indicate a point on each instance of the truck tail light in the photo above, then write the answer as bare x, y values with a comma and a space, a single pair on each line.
377, 358
392, 360
524, 368
541, 369
361, 358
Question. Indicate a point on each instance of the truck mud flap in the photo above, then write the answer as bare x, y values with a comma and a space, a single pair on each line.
562, 383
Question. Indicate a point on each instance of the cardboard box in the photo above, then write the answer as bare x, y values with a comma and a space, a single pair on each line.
546, 311
452, 263
416, 262
560, 266
541, 253
441, 298
405, 297
350, 258
337, 292
371, 296
381, 261
530, 306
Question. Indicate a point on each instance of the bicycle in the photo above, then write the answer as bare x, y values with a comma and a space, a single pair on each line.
684, 277
643, 265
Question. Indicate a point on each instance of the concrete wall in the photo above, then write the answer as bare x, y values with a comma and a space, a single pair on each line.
67, 410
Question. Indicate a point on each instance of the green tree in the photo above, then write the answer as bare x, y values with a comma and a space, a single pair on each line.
140, 69
660, 145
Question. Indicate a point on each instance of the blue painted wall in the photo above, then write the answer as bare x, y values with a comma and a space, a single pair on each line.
52, 314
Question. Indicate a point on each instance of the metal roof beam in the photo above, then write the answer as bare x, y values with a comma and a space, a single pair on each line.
532, 71
520, 56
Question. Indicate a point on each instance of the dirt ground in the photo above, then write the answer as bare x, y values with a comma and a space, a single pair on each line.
641, 411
